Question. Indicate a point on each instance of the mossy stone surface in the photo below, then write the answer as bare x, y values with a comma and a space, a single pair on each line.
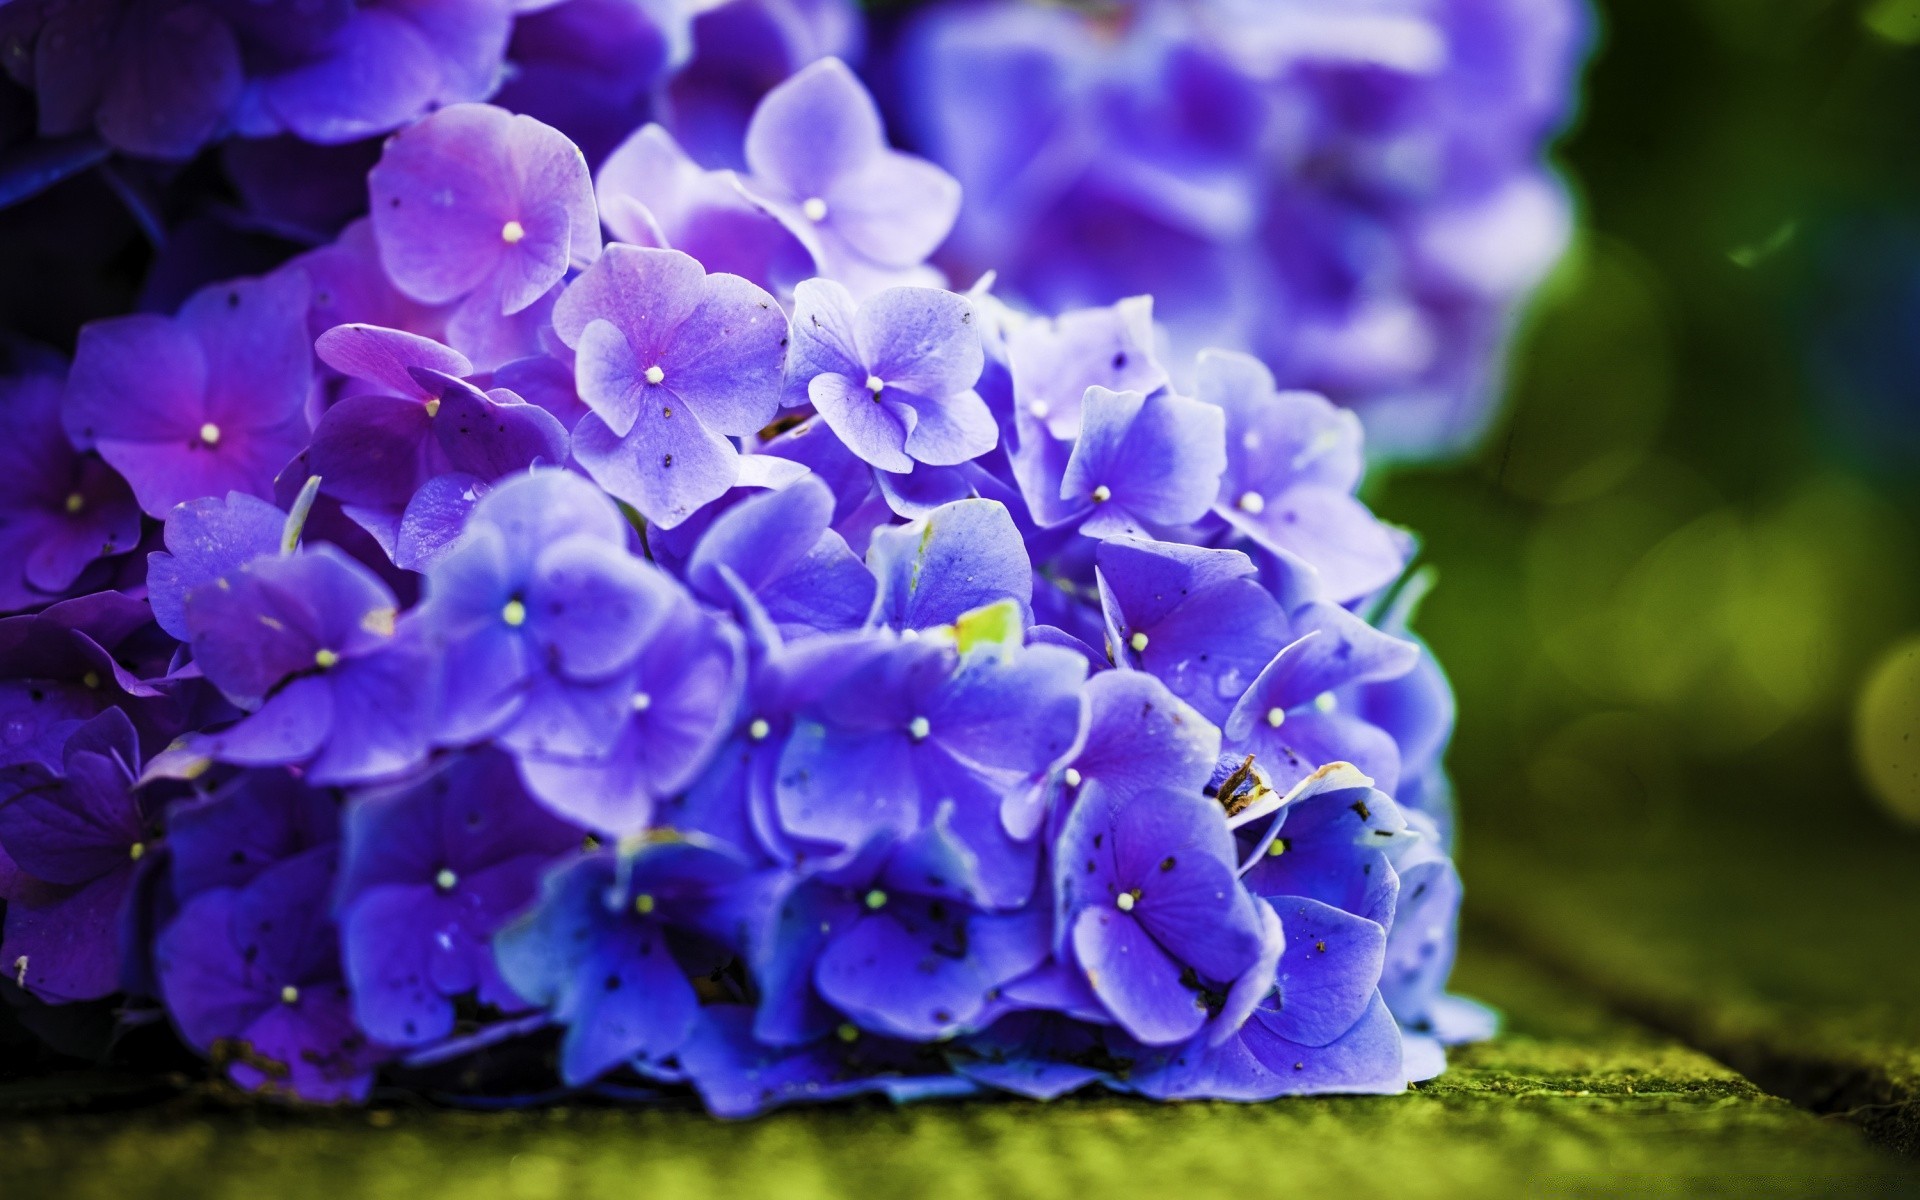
1568, 1101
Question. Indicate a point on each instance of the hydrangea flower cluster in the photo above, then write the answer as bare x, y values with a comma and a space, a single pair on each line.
161, 79
1355, 193
641, 630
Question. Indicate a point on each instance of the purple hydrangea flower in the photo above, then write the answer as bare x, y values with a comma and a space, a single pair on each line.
893, 377
209, 402
1290, 717
778, 549
251, 976
652, 194
516, 598
820, 162
1325, 867
477, 206
306, 644
742, 50
207, 540
63, 665
961, 557
592, 67
352, 70
60, 511
1140, 462
1141, 737
156, 80
676, 702
1053, 362
160, 80
1155, 918
409, 467
80, 838
610, 949
892, 937
1293, 461
258, 818
1196, 618
430, 870
671, 360
918, 725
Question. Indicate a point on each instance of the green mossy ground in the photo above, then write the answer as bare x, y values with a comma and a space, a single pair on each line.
1782, 944
1568, 1101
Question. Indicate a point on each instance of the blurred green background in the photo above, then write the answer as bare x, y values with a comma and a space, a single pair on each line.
1686, 564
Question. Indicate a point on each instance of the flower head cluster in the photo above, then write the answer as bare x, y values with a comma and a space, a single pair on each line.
650, 618
1355, 193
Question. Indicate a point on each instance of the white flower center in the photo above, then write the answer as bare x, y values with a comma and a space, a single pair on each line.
1325, 702
758, 729
289, 995
919, 728
642, 702
1138, 641
76, 502
512, 232
815, 209
1276, 716
210, 434
326, 660
876, 385
1073, 777
655, 374
514, 613
876, 899
1124, 901
446, 880
1251, 502
1102, 494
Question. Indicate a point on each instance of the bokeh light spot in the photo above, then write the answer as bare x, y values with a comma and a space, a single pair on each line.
1886, 730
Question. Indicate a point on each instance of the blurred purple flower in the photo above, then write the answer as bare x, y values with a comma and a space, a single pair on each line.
79, 837
820, 162
60, 511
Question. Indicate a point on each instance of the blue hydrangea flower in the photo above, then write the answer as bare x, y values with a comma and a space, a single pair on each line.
737, 1075
251, 974
539, 604
610, 950
1290, 717
1293, 461
918, 725
778, 552
890, 936
430, 870
1152, 911
1196, 618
